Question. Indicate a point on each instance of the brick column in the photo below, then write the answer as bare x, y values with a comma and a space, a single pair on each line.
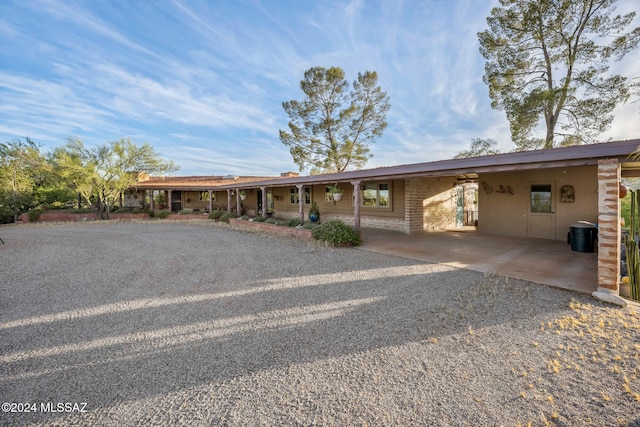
228, 200
169, 200
608, 226
210, 200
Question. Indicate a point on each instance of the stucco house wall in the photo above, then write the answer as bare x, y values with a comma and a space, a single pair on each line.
503, 213
391, 217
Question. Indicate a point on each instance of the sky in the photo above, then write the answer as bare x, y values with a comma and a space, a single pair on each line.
203, 81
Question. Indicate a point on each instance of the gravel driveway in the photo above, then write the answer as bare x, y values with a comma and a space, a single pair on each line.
164, 323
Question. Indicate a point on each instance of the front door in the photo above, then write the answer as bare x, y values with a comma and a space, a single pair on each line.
176, 201
541, 220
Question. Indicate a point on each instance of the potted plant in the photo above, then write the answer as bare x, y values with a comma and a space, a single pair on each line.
243, 195
314, 213
336, 192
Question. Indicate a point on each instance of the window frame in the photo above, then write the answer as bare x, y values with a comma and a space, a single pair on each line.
294, 198
378, 189
202, 198
543, 205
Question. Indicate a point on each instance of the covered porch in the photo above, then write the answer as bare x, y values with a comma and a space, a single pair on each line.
548, 262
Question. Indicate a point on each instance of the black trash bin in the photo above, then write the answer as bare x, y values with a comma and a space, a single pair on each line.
583, 236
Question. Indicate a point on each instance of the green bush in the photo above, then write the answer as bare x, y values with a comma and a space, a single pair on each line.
185, 212
336, 233
292, 222
34, 214
162, 214
57, 205
271, 221
215, 214
310, 225
260, 219
225, 216
245, 217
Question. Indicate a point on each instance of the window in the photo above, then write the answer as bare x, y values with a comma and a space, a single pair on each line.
541, 198
204, 196
376, 195
294, 198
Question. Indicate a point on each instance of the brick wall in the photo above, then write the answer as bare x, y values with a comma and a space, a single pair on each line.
608, 225
386, 223
430, 204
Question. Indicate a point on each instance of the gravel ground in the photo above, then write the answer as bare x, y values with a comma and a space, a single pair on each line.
164, 323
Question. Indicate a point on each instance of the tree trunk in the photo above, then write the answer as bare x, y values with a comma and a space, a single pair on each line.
551, 125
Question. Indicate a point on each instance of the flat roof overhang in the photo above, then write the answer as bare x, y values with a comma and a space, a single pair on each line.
575, 156
463, 169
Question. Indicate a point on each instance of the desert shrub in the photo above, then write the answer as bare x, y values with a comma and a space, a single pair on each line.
271, 221
162, 214
225, 216
216, 214
260, 219
185, 212
244, 217
292, 222
57, 205
336, 233
310, 225
34, 215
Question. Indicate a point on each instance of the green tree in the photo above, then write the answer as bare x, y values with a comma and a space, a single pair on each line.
102, 173
550, 59
479, 147
22, 170
331, 129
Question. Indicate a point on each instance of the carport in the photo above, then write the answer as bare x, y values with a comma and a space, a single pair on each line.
548, 262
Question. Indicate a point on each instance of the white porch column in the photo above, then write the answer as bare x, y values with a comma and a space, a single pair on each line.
301, 201
356, 204
609, 231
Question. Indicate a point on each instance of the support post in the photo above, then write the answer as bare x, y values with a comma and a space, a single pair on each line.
609, 231
301, 201
210, 200
229, 200
238, 207
265, 208
169, 201
356, 204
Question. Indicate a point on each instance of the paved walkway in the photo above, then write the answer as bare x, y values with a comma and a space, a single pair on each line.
542, 261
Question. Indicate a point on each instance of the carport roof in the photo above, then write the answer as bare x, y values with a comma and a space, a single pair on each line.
581, 155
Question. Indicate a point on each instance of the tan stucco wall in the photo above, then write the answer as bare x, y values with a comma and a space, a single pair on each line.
344, 208
506, 214
134, 199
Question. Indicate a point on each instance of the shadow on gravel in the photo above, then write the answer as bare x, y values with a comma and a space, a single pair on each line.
205, 321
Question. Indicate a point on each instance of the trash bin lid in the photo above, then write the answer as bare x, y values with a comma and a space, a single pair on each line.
583, 224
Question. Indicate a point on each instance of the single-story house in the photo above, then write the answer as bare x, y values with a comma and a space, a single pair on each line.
532, 194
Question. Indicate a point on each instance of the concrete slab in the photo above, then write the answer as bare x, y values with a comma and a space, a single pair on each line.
548, 262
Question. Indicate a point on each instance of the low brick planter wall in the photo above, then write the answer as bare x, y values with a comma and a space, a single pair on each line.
262, 227
53, 216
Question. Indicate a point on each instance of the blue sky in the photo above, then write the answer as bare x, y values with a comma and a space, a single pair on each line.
204, 81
